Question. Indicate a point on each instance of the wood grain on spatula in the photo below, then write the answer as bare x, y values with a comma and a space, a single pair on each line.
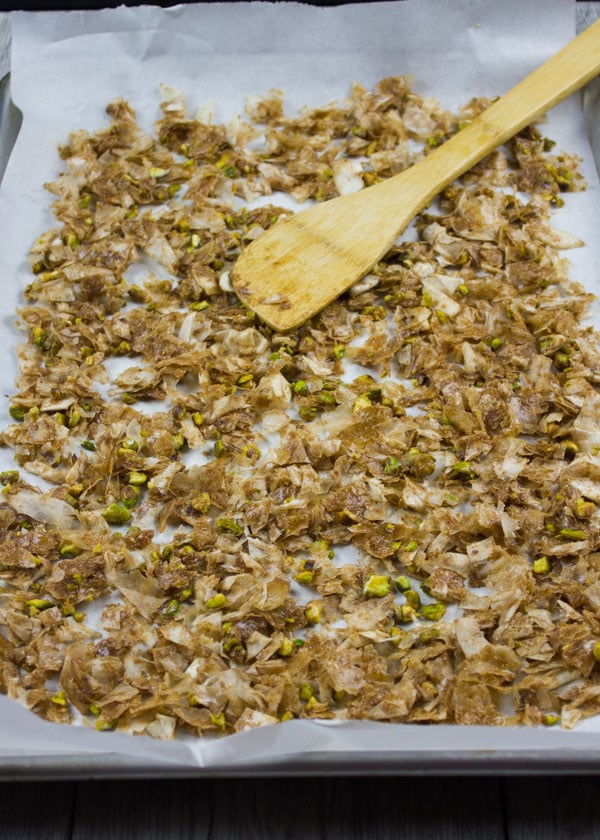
308, 259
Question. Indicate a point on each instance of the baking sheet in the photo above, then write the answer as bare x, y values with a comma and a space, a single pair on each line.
223, 52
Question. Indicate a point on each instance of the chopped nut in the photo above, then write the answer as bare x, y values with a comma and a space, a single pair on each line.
403, 583
541, 566
462, 469
376, 586
306, 692
201, 503
312, 613
229, 526
412, 599
216, 602
305, 577
572, 534
116, 514
286, 648
433, 612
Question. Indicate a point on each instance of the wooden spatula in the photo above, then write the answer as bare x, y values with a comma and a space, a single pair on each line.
307, 260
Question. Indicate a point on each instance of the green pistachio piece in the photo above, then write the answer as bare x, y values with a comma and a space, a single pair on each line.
116, 514
157, 172
541, 566
463, 469
402, 583
306, 691
216, 602
412, 599
219, 449
392, 465
171, 608
137, 478
37, 605
70, 549
404, 613
218, 720
229, 526
433, 612
583, 508
201, 503
376, 586
300, 387
286, 648
572, 534
312, 613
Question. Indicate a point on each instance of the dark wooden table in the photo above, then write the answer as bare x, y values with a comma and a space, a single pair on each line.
423, 808
434, 808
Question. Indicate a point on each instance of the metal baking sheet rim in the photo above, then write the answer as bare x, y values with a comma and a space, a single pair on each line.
549, 760
398, 763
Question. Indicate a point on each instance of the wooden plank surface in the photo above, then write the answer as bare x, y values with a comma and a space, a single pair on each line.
36, 811
361, 809
122, 810
460, 808
552, 808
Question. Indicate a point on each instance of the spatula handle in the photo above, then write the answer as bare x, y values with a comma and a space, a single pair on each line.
557, 78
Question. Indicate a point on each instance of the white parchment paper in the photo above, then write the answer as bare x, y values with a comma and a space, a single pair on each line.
67, 66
